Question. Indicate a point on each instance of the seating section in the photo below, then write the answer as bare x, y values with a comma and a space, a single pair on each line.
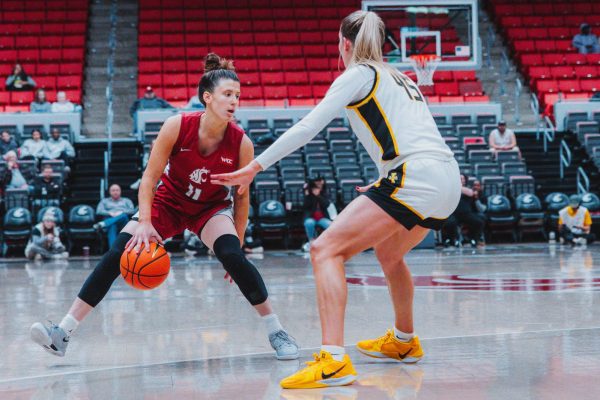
283, 50
540, 35
505, 174
47, 37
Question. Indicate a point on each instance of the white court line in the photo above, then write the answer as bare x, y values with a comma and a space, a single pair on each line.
91, 370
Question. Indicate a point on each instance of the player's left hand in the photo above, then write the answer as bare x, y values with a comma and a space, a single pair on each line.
242, 177
363, 189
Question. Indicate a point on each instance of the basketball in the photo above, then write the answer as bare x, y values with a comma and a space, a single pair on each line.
145, 270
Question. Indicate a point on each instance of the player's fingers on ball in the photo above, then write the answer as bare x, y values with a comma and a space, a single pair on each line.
147, 244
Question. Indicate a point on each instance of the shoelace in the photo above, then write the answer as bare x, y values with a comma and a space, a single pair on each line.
317, 357
283, 337
384, 338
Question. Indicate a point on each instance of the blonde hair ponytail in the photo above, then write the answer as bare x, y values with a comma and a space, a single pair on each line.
366, 31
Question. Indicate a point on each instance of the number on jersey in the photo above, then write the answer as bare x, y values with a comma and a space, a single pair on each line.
412, 90
193, 192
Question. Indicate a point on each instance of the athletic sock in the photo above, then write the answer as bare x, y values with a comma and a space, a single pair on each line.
402, 336
69, 324
337, 352
272, 323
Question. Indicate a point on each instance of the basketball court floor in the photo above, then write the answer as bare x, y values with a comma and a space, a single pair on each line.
504, 322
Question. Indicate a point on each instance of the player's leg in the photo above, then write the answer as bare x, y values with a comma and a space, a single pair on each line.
55, 338
347, 236
400, 342
219, 234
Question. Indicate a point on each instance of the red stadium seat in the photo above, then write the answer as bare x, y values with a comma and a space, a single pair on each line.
593, 59
464, 75
446, 88
545, 46
298, 92
477, 99
4, 98
553, 58
443, 76
275, 92
473, 88
590, 85
272, 78
452, 99
320, 77
319, 91
569, 85
577, 96
562, 72
252, 92
21, 97
559, 33
536, 73
149, 80
547, 86
299, 102
296, 78
575, 59
586, 71
46, 82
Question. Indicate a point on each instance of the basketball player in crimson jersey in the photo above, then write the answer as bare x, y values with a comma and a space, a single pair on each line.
189, 148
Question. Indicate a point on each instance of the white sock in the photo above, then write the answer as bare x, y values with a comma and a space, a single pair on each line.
69, 324
402, 336
272, 323
337, 352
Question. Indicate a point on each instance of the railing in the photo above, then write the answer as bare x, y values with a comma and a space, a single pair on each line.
491, 40
106, 163
102, 188
549, 132
534, 104
583, 181
504, 70
110, 70
565, 158
518, 91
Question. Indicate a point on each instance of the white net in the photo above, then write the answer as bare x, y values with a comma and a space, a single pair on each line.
424, 67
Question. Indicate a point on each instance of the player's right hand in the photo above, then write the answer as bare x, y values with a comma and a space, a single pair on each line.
144, 233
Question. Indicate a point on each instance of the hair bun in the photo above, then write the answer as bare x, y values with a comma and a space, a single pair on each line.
213, 62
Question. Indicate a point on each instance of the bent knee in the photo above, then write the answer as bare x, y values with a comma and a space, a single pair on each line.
321, 251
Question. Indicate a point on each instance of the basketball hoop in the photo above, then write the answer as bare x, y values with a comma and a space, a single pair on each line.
424, 66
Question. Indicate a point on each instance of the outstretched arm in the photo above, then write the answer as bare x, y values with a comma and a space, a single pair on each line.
241, 198
347, 88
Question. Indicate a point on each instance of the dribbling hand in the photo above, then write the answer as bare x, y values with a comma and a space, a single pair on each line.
144, 234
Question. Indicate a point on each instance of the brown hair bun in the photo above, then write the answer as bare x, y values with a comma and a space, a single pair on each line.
213, 62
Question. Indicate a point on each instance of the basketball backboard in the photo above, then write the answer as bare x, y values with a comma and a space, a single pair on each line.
446, 28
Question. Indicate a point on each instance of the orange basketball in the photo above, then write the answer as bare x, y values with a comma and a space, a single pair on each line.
145, 270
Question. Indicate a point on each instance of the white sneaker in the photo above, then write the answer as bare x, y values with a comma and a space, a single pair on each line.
306, 247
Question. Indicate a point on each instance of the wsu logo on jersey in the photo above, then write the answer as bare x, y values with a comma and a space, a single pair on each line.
199, 175
228, 161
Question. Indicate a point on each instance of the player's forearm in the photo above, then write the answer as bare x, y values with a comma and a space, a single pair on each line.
145, 197
241, 206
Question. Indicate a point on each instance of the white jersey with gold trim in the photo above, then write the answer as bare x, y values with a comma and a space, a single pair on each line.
394, 123
388, 115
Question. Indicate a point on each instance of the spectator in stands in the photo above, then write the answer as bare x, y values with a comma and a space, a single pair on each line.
19, 80
466, 215
149, 102
34, 148
39, 103
575, 223
13, 178
7, 143
62, 104
316, 206
480, 197
58, 148
116, 211
45, 240
45, 186
503, 139
585, 41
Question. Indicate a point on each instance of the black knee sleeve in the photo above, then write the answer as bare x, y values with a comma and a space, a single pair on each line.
246, 276
101, 279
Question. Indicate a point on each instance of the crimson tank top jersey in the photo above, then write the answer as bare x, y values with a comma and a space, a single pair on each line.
185, 184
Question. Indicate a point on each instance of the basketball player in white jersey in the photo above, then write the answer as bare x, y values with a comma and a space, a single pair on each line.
419, 187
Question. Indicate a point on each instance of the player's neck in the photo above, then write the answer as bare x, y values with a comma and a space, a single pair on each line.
211, 126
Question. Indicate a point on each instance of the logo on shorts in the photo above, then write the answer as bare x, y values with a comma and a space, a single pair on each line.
199, 175
228, 161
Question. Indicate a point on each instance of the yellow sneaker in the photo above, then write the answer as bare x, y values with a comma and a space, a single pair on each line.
388, 346
323, 372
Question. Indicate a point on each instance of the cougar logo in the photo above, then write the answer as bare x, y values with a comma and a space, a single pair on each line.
227, 160
199, 175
